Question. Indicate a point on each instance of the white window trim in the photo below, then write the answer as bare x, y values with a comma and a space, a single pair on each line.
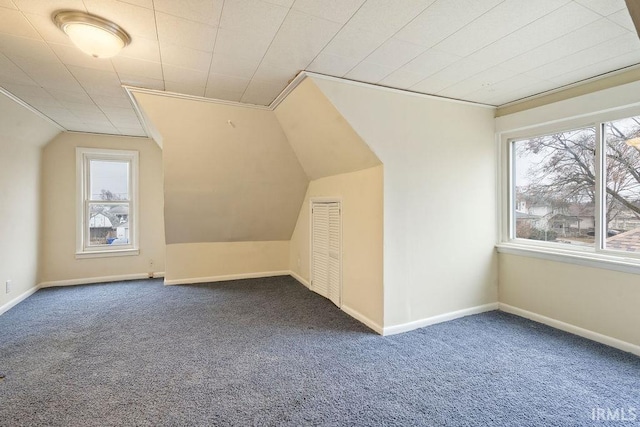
83, 157
589, 257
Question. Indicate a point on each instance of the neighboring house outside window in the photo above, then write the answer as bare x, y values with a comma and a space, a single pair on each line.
107, 187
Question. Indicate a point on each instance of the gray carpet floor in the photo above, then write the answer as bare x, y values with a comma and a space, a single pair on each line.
270, 352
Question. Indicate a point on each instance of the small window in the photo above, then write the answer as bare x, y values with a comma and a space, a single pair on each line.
107, 202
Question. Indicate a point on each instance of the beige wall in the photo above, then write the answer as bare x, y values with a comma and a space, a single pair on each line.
595, 299
194, 262
362, 202
58, 238
225, 182
22, 135
439, 197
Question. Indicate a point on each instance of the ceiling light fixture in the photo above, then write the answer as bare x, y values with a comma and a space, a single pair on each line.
634, 142
92, 34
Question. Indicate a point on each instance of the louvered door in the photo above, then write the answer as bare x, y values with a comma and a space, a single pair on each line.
326, 250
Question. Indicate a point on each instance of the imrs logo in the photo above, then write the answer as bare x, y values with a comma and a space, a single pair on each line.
614, 414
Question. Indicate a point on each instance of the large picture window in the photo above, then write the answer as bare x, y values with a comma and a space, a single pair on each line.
107, 202
578, 189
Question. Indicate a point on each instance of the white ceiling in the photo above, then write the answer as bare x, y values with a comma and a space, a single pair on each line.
487, 51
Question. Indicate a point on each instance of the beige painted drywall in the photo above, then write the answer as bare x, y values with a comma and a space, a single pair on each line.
230, 174
439, 161
22, 135
58, 238
322, 139
199, 261
595, 299
362, 203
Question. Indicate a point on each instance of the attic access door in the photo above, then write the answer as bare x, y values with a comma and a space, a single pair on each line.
326, 250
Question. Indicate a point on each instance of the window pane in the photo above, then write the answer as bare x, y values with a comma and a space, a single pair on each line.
109, 180
622, 139
108, 224
554, 190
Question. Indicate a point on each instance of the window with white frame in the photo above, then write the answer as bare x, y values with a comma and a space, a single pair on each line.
578, 189
107, 202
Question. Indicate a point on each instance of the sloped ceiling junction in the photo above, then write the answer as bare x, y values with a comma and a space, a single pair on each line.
229, 173
238, 173
490, 51
324, 142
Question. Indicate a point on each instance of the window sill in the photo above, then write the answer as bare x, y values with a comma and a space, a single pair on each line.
107, 254
584, 258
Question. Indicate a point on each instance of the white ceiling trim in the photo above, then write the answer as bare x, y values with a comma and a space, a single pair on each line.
135, 89
394, 90
107, 134
149, 128
30, 108
300, 77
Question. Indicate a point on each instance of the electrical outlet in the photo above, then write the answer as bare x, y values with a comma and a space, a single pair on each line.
151, 264
7, 286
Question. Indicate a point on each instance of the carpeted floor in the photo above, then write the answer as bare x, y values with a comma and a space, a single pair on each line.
269, 352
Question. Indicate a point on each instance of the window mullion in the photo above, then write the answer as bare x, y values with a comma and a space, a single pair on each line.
600, 205
109, 202
86, 215
512, 190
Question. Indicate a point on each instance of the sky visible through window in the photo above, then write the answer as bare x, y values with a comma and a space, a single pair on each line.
112, 176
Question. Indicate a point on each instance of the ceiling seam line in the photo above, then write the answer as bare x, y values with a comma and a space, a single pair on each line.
523, 53
265, 53
213, 49
155, 22
337, 32
390, 37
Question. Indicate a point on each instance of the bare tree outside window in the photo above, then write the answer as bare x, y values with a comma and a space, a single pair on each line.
623, 184
555, 186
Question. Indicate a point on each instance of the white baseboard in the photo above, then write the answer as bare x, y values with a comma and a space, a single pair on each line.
576, 330
362, 318
224, 278
102, 279
405, 327
23, 296
300, 279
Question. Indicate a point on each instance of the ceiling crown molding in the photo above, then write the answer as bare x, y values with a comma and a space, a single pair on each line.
30, 108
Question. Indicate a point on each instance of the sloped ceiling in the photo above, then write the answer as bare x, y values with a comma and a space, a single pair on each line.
323, 141
229, 172
487, 51
21, 127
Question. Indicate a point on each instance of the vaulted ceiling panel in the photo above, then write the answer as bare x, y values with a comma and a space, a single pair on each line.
322, 139
248, 50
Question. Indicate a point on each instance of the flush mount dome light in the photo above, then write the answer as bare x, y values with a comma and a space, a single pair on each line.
93, 35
